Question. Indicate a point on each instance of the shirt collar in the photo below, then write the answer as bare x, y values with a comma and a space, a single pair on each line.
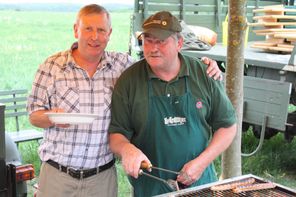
184, 70
106, 60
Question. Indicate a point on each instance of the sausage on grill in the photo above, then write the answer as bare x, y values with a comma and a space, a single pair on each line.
233, 185
253, 187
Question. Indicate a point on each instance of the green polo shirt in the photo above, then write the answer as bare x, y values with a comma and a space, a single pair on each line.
129, 108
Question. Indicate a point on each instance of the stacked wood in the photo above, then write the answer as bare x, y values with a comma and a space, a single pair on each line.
278, 25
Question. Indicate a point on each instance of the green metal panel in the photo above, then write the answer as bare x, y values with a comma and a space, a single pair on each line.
177, 7
210, 14
203, 20
185, 1
137, 20
136, 5
263, 97
160, 7
201, 8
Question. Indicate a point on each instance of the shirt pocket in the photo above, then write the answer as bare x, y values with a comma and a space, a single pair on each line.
67, 98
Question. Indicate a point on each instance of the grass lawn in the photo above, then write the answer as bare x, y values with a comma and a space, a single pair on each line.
27, 38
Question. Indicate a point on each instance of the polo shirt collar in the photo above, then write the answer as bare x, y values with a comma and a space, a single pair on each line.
184, 70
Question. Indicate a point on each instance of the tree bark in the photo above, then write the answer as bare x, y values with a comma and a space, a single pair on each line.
237, 24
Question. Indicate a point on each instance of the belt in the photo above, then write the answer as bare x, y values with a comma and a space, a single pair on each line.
81, 174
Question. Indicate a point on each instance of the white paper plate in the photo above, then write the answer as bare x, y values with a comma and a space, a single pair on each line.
71, 118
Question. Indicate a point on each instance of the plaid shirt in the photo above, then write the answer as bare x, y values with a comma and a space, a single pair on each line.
60, 82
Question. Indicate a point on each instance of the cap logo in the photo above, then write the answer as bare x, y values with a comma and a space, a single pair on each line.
164, 23
153, 22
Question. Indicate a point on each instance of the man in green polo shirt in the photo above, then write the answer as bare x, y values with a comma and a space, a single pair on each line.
168, 113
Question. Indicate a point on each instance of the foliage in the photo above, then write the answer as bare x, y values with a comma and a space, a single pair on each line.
276, 160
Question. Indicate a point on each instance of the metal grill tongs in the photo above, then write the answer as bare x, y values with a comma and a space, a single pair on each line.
173, 184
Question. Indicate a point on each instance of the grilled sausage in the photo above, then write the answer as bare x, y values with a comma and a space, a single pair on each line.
253, 187
233, 185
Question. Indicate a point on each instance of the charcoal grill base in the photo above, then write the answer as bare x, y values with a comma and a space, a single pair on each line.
205, 190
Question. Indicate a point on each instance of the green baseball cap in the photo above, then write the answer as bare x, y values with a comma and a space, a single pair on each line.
161, 25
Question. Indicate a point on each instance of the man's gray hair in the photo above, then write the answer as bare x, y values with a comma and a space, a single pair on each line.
93, 9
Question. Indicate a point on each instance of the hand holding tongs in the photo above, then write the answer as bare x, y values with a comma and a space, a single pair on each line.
149, 167
171, 183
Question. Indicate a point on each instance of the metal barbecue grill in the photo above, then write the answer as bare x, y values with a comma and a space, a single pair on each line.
206, 190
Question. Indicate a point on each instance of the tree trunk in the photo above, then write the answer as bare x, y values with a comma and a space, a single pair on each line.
231, 158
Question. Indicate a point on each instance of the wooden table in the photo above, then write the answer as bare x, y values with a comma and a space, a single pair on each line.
253, 57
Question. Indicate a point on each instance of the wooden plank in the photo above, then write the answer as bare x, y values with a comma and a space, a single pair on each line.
283, 49
264, 44
288, 36
276, 48
290, 46
275, 17
274, 30
271, 24
273, 10
291, 40
273, 33
265, 34
272, 39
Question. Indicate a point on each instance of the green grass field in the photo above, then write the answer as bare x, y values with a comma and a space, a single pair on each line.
27, 38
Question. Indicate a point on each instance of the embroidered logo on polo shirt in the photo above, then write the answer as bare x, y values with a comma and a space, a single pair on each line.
198, 104
174, 121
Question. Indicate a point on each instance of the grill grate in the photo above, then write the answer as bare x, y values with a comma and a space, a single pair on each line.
206, 191
260, 193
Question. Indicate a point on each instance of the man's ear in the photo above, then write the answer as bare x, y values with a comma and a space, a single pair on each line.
180, 43
75, 29
109, 33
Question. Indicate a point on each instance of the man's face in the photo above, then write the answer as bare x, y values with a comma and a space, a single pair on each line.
93, 32
161, 53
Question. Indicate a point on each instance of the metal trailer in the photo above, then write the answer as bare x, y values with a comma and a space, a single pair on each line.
270, 81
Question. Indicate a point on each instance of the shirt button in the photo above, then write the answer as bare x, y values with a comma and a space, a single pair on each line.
168, 95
